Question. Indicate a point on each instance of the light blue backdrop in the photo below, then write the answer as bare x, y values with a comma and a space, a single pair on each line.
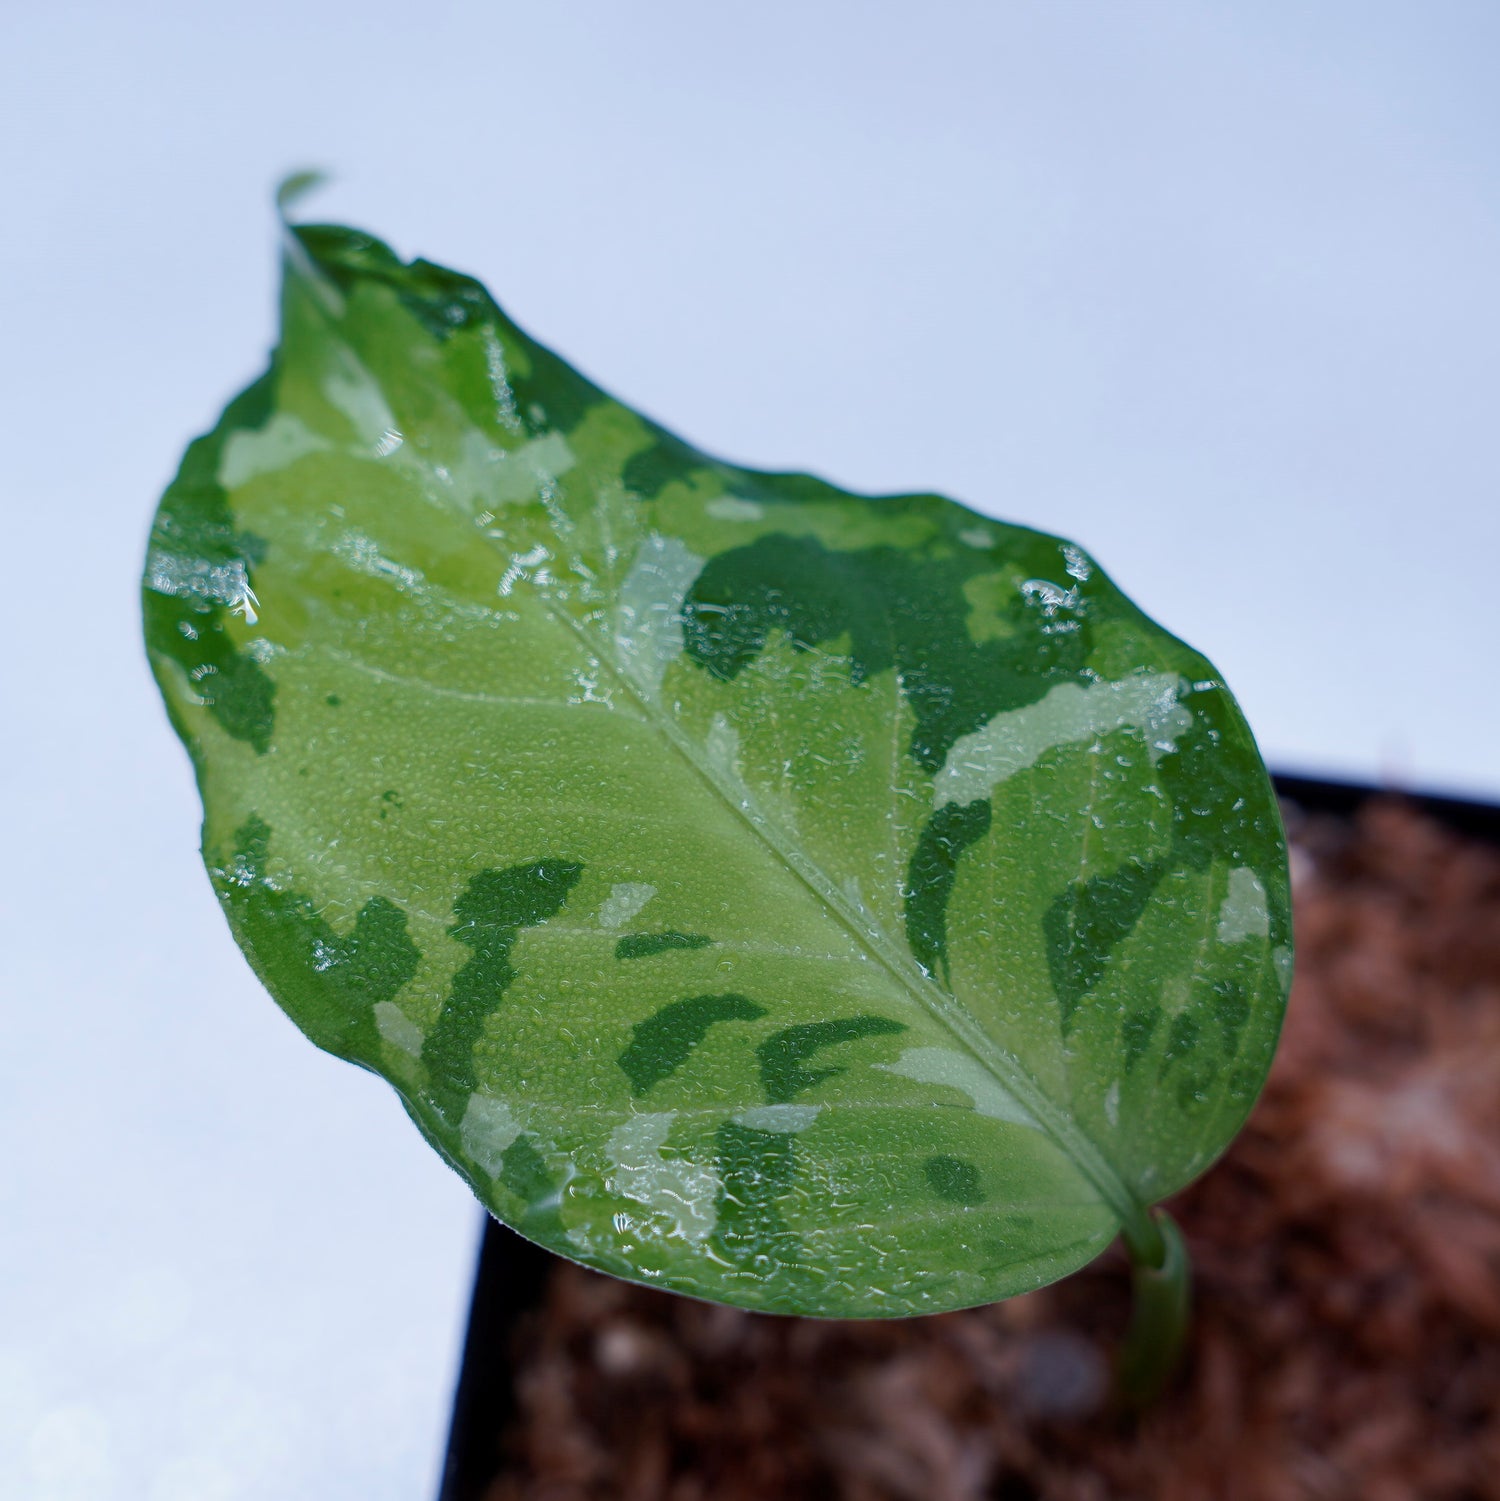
1210, 287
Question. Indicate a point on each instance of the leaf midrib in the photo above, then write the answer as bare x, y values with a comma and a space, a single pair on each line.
1008, 1071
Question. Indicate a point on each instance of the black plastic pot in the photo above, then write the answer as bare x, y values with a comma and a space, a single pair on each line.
512, 1272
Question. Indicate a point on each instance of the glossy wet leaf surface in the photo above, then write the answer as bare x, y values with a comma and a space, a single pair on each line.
826, 904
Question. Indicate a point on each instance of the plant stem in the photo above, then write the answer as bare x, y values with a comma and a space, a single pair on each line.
1161, 1281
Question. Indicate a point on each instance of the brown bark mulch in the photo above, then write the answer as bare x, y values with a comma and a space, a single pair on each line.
1346, 1337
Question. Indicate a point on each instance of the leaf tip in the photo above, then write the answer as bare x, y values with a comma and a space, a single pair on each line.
295, 186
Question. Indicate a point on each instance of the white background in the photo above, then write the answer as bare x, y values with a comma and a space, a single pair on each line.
1210, 287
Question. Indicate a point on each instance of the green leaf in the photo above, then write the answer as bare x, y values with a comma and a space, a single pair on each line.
827, 904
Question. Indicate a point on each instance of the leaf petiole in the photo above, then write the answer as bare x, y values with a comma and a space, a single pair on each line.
1161, 1284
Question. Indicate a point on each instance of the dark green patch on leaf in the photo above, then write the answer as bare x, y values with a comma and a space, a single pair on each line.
1194, 1087
494, 907
551, 394
1231, 1010
233, 686
1182, 1038
644, 945
197, 560
953, 1179
1085, 924
783, 1053
1191, 1066
1212, 816
1244, 1082
331, 981
756, 1169
524, 1171
900, 610
931, 874
650, 471
660, 1045
1137, 1031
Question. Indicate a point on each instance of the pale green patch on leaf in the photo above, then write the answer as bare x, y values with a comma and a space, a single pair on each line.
825, 904
955, 1070
1244, 913
676, 1191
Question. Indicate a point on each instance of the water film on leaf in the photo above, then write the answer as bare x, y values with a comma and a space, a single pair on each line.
822, 903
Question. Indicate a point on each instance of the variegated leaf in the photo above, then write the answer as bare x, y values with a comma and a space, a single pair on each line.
820, 903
